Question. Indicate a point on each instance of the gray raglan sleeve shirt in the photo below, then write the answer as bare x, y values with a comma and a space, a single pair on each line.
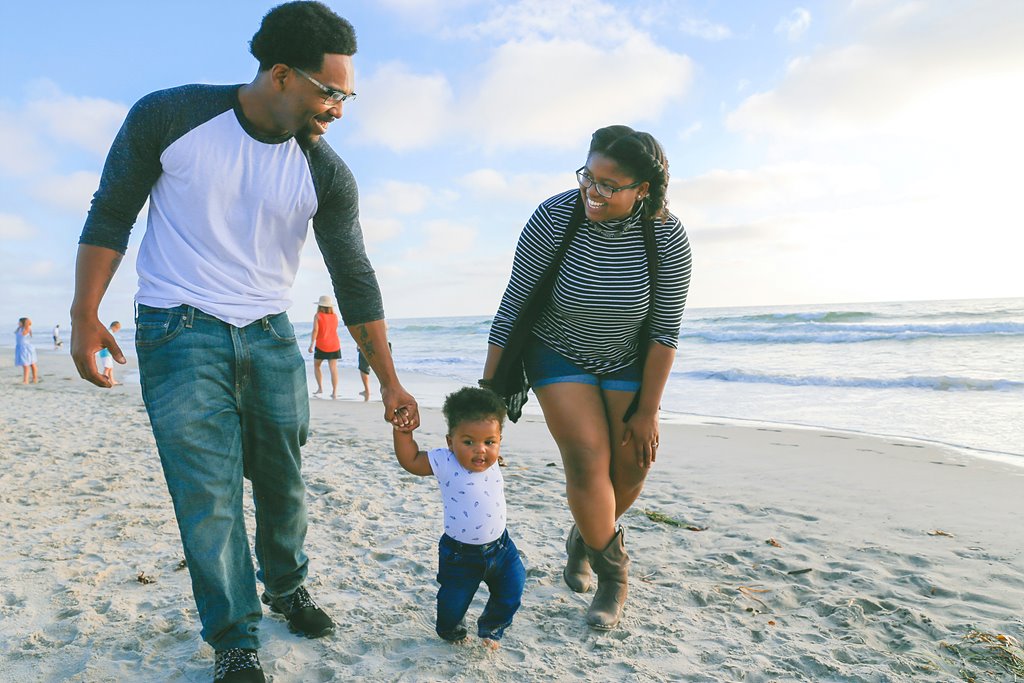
133, 166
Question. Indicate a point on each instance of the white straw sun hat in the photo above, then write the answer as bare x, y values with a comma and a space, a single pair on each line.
326, 302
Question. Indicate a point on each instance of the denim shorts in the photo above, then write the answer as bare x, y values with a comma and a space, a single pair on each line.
545, 366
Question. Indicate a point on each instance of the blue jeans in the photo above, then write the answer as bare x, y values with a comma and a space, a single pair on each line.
461, 568
544, 365
227, 402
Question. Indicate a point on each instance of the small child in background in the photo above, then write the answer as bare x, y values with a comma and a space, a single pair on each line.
475, 546
106, 359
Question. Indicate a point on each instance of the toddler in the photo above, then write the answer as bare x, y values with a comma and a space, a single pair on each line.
475, 546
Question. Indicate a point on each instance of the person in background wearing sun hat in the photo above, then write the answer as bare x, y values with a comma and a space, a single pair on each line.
325, 345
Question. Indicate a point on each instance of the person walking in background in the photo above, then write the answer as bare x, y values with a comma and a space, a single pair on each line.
234, 175
25, 351
590, 319
57, 341
106, 359
364, 372
475, 546
325, 345
364, 375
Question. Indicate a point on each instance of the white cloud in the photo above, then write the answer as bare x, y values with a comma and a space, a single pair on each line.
41, 268
377, 230
589, 20
891, 79
859, 92
442, 243
531, 188
395, 196
557, 92
547, 82
88, 122
72, 192
795, 25
773, 186
737, 206
691, 130
402, 110
13, 227
702, 28
447, 237
23, 155
424, 13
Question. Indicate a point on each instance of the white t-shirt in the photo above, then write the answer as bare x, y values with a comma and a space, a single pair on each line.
474, 502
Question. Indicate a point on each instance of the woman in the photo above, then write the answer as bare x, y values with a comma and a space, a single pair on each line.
328, 346
578, 316
25, 351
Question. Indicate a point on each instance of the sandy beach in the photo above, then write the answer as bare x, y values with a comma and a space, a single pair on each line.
760, 553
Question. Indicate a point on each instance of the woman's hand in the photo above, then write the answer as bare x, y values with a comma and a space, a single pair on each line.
642, 431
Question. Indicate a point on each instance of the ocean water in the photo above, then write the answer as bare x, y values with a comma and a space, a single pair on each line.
944, 371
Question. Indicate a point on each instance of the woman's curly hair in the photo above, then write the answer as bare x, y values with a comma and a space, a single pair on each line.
640, 155
299, 34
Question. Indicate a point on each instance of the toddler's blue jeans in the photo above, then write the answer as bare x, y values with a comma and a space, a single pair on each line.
227, 402
461, 569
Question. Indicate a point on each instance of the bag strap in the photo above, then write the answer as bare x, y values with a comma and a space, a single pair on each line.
522, 328
643, 340
542, 293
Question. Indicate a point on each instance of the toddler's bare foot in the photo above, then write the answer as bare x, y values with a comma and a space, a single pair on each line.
318, 391
490, 644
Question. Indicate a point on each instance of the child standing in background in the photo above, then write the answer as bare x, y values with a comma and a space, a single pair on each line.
25, 351
107, 360
475, 546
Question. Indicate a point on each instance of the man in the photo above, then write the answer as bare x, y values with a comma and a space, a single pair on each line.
57, 341
233, 175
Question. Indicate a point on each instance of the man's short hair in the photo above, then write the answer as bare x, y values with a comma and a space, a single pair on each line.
299, 34
471, 404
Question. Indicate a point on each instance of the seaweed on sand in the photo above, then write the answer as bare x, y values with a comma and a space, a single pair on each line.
982, 655
655, 516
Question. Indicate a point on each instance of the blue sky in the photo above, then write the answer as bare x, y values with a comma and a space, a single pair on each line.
820, 151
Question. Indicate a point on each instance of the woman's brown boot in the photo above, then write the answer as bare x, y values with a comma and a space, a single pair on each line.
612, 566
577, 567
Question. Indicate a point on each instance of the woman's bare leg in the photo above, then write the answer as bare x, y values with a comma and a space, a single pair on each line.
626, 475
576, 417
319, 375
332, 364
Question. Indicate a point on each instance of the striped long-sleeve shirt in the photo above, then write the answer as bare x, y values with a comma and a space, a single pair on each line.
602, 292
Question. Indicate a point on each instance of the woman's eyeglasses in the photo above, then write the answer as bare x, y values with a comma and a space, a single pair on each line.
606, 191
